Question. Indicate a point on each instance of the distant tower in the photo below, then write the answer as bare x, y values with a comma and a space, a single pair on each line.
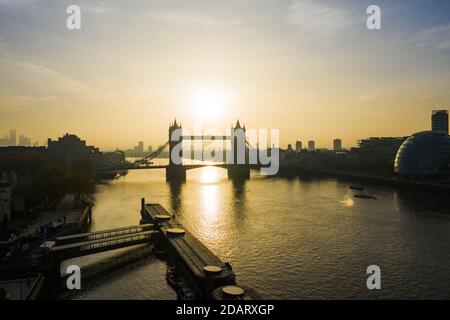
237, 169
175, 171
12, 137
337, 145
311, 145
141, 146
236, 139
172, 144
298, 146
439, 120
22, 141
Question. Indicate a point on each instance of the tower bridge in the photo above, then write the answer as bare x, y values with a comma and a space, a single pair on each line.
237, 165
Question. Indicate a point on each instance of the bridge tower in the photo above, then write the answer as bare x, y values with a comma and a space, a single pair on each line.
175, 171
239, 167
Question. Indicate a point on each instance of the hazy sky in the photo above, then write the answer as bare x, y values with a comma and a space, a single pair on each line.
308, 67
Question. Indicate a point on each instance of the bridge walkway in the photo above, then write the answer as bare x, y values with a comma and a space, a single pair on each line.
102, 234
83, 248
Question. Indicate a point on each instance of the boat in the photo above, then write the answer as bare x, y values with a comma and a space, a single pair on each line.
356, 188
365, 196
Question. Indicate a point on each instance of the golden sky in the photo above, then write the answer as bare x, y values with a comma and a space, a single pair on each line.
309, 68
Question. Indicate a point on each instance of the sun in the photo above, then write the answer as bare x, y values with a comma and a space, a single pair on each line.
209, 102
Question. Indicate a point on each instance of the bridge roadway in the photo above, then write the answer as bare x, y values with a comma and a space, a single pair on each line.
89, 243
188, 253
186, 166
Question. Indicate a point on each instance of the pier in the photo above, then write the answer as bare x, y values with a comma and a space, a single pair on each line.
78, 245
202, 269
89, 243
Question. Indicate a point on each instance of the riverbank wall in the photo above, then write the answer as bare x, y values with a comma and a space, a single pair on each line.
365, 178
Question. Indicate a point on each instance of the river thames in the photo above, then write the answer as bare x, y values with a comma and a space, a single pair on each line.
286, 238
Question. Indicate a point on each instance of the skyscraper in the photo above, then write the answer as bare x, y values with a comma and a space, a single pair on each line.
298, 146
140, 146
439, 120
311, 145
12, 137
337, 144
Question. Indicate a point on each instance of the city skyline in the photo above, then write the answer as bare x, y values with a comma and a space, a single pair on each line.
439, 121
313, 66
12, 139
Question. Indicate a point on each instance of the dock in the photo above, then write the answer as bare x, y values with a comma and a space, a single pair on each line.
78, 245
202, 269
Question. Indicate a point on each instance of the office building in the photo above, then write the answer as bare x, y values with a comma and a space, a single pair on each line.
337, 145
311, 145
140, 147
380, 147
24, 141
439, 121
12, 137
298, 146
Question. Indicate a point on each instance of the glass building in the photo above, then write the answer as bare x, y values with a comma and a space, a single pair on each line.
439, 120
424, 155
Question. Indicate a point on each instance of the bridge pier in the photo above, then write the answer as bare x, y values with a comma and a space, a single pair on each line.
238, 171
175, 173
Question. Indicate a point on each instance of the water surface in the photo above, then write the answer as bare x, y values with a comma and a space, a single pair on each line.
287, 238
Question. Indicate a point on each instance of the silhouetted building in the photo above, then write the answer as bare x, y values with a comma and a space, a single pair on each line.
424, 155
150, 149
24, 141
140, 147
298, 146
378, 154
12, 137
70, 147
439, 121
311, 145
380, 147
11, 140
4, 142
337, 145
114, 159
137, 151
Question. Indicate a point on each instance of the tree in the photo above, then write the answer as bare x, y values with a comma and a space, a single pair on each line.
51, 183
84, 165
80, 184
